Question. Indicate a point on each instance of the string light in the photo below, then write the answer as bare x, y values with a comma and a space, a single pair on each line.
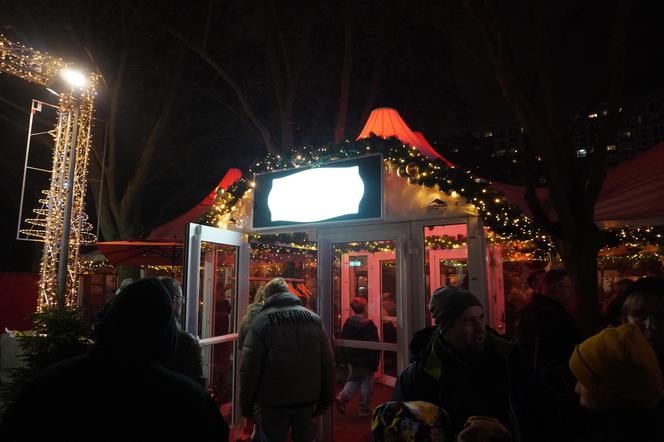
40, 68
506, 222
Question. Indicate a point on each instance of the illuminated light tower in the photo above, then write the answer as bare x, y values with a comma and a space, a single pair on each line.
61, 222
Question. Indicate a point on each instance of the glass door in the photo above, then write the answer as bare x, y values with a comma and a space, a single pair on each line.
364, 302
216, 289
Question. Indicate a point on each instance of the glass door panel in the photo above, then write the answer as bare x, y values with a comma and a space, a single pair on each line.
365, 320
217, 318
445, 260
216, 284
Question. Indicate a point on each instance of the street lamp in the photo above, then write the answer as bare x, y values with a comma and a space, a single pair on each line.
72, 79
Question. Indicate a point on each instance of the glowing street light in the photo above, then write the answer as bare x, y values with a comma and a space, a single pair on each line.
74, 77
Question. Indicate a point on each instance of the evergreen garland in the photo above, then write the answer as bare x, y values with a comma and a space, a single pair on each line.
506, 221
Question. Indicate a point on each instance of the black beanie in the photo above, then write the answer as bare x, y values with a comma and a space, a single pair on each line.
448, 303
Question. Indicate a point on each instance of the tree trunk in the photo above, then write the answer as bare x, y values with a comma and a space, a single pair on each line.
579, 255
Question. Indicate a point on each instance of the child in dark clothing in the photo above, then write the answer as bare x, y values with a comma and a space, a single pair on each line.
362, 362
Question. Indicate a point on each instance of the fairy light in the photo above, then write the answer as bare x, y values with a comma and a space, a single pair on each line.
40, 68
506, 221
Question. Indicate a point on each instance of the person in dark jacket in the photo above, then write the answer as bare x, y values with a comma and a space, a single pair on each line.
187, 359
287, 367
546, 336
121, 389
546, 331
454, 369
620, 385
362, 363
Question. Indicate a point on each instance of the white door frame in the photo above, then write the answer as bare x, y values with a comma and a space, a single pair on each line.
195, 235
476, 263
400, 234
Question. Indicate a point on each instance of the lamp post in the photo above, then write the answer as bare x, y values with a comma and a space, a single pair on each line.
74, 80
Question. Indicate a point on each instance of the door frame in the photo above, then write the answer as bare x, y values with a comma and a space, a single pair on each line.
195, 235
399, 233
476, 263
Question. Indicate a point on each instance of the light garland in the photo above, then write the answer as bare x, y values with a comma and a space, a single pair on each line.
40, 68
506, 222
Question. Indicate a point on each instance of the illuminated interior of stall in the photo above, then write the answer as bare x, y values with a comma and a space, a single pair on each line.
290, 256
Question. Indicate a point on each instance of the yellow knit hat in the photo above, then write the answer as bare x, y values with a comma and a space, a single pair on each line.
621, 362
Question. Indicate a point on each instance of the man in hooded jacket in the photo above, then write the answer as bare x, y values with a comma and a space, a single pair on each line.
287, 367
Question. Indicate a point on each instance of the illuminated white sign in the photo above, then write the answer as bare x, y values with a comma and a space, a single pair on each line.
316, 194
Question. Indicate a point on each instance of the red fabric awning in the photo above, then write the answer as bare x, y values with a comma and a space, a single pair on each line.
135, 253
386, 122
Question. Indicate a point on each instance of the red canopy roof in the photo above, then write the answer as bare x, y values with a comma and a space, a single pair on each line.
386, 122
134, 253
174, 229
633, 192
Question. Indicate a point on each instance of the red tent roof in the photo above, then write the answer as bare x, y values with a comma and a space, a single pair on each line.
174, 229
134, 253
386, 122
633, 192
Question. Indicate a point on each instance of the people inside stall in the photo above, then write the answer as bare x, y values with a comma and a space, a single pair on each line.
362, 363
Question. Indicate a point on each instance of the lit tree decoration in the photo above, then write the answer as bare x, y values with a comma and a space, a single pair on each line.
71, 152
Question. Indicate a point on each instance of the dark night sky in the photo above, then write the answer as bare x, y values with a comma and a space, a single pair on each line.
434, 71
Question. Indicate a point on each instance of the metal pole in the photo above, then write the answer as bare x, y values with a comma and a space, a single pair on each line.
25, 170
66, 227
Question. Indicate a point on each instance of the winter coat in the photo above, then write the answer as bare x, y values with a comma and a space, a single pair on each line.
187, 358
100, 397
286, 358
360, 329
464, 384
546, 333
252, 311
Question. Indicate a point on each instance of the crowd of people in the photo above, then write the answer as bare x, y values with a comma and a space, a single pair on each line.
546, 384
143, 378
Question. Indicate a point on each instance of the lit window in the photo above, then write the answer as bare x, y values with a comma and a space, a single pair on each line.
488, 134
593, 115
581, 153
611, 148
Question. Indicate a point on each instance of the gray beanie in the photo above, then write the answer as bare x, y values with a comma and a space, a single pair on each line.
448, 303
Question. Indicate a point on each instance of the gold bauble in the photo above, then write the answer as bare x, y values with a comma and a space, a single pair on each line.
401, 171
413, 179
218, 198
387, 169
412, 169
220, 191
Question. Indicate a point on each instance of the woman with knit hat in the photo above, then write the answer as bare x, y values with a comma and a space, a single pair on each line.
620, 385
